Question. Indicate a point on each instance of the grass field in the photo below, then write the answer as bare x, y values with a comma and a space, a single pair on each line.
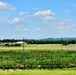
41, 56
37, 55
38, 72
36, 47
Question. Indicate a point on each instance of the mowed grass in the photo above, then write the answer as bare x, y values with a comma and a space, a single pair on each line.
38, 72
35, 47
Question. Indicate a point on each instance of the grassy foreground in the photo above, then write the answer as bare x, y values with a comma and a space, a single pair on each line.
38, 72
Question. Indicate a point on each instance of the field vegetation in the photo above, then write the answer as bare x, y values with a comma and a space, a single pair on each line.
37, 57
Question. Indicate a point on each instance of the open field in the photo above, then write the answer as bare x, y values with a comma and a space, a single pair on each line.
38, 72
36, 47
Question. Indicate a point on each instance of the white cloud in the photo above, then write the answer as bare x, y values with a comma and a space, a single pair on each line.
5, 5
15, 20
58, 25
44, 13
64, 24
38, 28
48, 18
22, 13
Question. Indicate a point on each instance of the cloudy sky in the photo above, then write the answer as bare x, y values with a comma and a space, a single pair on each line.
37, 19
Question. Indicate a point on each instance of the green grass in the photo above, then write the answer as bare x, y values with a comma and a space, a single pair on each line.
35, 47
36, 59
42, 56
38, 72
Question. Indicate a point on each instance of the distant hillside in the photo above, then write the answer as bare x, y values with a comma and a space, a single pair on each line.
60, 39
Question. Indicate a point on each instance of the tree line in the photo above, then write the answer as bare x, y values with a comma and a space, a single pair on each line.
41, 41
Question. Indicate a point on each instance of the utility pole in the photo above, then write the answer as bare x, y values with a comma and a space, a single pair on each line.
61, 53
23, 55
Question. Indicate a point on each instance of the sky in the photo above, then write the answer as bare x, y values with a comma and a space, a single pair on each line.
37, 19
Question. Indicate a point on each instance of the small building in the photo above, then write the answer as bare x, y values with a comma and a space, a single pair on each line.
20, 43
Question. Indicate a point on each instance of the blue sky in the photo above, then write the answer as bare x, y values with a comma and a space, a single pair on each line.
37, 19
